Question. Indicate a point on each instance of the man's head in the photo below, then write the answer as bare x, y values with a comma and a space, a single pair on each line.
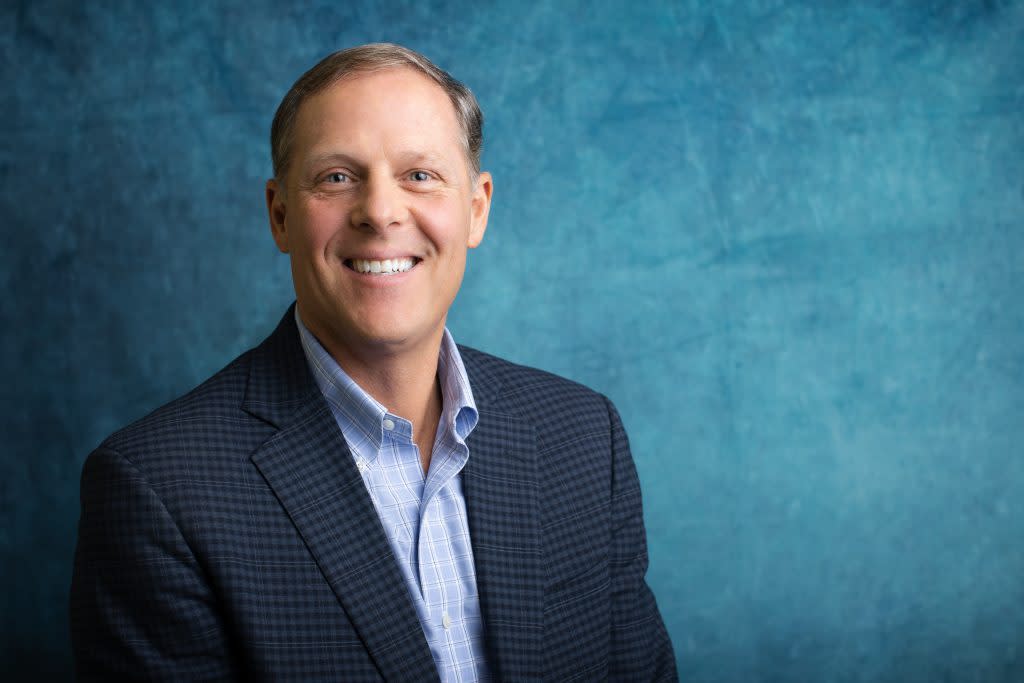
366, 59
376, 199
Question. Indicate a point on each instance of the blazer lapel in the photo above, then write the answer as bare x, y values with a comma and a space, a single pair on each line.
500, 486
308, 465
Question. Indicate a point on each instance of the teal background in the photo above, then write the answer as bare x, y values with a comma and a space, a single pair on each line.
786, 238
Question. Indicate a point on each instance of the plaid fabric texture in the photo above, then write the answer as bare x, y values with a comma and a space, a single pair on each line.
424, 517
230, 536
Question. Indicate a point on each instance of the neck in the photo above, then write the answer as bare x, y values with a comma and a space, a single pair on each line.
406, 385
402, 380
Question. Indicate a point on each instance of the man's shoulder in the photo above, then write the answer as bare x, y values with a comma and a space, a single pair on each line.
212, 407
540, 396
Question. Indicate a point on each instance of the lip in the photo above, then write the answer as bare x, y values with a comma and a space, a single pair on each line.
378, 279
381, 256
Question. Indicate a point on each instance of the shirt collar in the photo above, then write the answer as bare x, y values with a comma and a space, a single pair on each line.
366, 415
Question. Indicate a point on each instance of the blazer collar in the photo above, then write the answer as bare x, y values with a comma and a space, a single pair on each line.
279, 379
502, 494
308, 466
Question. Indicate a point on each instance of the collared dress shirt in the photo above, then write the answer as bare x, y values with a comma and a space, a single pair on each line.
424, 516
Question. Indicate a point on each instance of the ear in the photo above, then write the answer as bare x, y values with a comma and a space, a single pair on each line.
481, 207
276, 210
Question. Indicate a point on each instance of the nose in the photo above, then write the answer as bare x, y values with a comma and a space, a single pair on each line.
380, 205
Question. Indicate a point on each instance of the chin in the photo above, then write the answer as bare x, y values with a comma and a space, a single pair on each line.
384, 335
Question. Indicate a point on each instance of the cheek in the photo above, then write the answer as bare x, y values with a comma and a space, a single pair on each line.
318, 226
447, 227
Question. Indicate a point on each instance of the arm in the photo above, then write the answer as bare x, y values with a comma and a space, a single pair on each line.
640, 647
140, 606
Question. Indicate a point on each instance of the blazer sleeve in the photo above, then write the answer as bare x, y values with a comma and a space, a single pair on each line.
640, 646
140, 607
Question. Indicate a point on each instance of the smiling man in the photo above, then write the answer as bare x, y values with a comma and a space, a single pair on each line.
359, 498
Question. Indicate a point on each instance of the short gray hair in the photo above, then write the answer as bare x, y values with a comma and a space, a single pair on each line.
366, 59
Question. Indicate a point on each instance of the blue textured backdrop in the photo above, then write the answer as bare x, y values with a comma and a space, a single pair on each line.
787, 238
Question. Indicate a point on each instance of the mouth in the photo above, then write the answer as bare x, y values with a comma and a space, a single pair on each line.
391, 266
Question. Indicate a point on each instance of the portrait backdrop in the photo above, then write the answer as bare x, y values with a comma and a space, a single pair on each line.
785, 237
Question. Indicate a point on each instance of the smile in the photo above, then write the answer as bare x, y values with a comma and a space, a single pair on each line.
385, 267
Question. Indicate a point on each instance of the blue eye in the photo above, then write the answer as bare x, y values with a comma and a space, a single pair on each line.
337, 177
419, 176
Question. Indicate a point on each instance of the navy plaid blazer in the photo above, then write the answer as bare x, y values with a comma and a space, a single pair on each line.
228, 535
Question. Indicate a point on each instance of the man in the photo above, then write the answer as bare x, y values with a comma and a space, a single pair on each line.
358, 498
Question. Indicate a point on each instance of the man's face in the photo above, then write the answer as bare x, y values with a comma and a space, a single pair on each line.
377, 210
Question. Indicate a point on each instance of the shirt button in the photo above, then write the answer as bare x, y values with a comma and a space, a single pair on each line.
388, 424
446, 621
361, 464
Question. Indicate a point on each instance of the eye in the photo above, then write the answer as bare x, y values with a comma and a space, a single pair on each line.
336, 178
419, 176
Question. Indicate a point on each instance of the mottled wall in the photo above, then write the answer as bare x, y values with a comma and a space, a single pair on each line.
787, 238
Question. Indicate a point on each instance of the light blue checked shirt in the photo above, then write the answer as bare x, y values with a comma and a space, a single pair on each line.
424, 517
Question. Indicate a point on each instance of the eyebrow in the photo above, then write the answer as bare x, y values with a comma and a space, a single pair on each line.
330, 157
429, 158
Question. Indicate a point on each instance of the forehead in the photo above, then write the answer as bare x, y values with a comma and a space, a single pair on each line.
380, 110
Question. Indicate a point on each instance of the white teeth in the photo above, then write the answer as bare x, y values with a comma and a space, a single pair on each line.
385, 267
